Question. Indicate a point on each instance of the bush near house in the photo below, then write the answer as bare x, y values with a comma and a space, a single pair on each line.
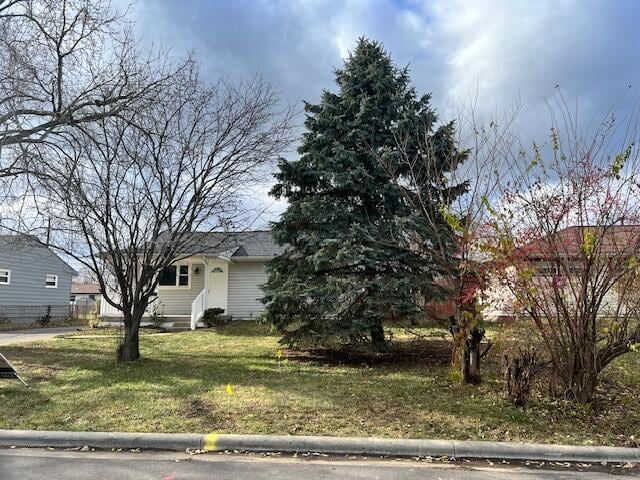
213, 317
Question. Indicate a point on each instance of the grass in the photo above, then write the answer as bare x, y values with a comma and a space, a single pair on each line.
179, 386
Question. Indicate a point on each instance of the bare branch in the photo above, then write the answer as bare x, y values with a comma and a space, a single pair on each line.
132, 192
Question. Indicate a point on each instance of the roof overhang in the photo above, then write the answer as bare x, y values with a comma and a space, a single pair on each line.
254, 258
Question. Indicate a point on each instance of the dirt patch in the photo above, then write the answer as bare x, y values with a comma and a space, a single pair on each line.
198, 408
42, 374
414, 352
214, 419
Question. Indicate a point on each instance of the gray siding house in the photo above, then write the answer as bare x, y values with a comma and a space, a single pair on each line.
218, 270
33, 280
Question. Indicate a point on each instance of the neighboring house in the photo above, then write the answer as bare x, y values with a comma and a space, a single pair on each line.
218, 270
33, 281
555, 258
563, 252
85, 294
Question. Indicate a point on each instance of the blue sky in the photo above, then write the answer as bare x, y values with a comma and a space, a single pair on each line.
492, 53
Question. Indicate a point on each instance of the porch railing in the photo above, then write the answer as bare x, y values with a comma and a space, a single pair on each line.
198, 307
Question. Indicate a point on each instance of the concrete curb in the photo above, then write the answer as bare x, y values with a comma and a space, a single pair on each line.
328, 445
105, 440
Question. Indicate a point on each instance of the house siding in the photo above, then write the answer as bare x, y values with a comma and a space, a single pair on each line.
177, 301
28, 266
244, 289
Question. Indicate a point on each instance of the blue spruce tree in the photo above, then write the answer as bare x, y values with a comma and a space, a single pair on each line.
356, 253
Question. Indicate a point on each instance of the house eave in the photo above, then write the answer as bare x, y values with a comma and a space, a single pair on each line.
253, 258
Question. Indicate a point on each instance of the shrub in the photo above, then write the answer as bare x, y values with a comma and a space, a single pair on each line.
213, 317
45, 320
519, 375
157, 315
94, 316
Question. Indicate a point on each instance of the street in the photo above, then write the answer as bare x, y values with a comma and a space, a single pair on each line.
37, 464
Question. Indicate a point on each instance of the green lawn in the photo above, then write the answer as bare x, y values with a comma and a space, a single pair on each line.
179, 386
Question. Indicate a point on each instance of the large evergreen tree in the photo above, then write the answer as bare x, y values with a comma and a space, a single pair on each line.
356, 252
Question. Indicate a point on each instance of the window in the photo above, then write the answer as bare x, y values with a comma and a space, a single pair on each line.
51, 281
575, 268
546, 269
5, 276
175, 276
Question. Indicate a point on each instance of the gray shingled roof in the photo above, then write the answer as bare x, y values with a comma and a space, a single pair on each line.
19, 241
235, 244
85, 288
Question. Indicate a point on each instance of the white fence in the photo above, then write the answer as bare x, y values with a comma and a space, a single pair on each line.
106, 310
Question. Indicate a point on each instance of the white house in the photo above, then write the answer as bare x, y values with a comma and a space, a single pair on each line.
223, 270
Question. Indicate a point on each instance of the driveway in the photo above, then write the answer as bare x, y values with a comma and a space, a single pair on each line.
32, 335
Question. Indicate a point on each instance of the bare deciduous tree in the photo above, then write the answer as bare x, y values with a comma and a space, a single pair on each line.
65, 63
132, 190
465, 211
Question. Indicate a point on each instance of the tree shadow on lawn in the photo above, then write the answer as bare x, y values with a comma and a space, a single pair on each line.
197, 372
188, 376
414, 353
91, 355
393, 393
402, 387
239, 328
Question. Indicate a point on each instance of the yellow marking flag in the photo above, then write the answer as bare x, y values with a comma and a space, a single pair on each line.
279, 354
230, 390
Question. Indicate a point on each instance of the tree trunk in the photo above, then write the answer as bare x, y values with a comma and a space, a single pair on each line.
519, 376
129, 349
470, 357
583, 384
377, 336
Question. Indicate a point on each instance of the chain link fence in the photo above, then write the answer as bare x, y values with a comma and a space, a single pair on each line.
44, 315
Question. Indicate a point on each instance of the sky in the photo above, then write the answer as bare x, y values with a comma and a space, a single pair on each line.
494, 55
503, 50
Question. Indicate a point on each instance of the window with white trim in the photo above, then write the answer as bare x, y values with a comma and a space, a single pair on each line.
5, 276
51, 280
174, 276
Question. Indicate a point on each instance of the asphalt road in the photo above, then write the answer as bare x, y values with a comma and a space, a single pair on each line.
31, 335
36, 464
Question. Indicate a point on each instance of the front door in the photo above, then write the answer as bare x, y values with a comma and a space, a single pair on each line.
218, 274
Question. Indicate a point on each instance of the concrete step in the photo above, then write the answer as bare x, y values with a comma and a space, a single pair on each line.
178, 324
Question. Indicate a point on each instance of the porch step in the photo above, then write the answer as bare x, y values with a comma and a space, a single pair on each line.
180, 326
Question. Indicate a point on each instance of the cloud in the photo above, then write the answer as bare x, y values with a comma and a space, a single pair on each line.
519, 49
502, 49
295, 45
494, 53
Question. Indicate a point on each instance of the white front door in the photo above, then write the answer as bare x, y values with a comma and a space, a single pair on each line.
217, 285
